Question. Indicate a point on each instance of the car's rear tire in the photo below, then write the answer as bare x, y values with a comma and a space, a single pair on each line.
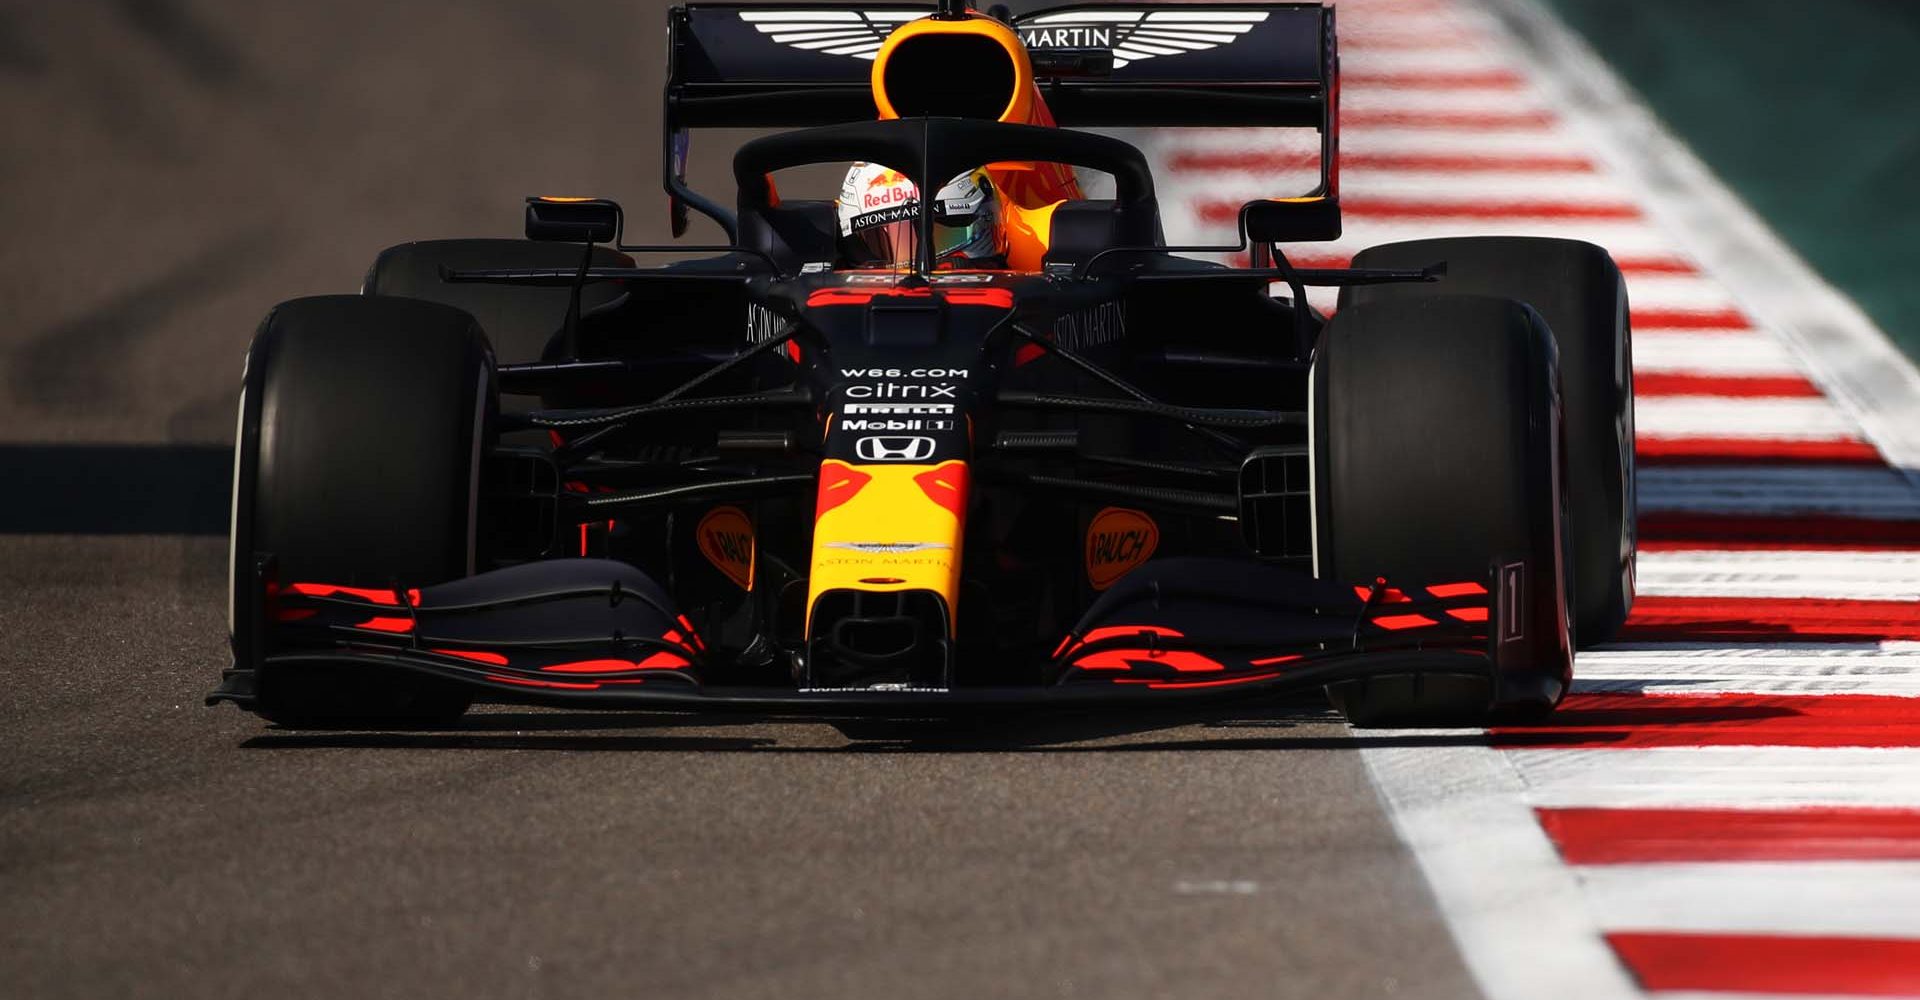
520, 320
363, 423
1436, 427
1578, 290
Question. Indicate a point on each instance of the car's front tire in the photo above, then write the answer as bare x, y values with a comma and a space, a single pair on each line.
363, 425
1578, 290
1436, 437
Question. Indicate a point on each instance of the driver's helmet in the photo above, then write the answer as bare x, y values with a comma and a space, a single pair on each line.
878, 207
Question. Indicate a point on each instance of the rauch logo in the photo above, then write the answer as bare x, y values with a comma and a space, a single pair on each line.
1118, 541
726, 539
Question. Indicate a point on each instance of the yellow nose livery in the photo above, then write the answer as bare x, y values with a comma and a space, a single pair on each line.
888, 526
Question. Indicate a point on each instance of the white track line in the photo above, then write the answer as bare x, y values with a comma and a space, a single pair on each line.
1515, 911
1841, 898
1833, 575
1721, 777
1811, 418
1745, 353
1679, 291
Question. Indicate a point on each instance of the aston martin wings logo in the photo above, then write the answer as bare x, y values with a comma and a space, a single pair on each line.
1133, 35
856, 33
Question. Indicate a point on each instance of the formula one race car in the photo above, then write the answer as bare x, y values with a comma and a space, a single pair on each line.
894, 453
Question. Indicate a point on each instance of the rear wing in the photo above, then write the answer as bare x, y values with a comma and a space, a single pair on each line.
1141, 65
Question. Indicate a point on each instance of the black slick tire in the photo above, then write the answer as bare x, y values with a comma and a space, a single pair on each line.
1436, 424
363, 423
1578, 290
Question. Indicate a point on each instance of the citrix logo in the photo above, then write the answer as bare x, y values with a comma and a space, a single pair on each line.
889, 390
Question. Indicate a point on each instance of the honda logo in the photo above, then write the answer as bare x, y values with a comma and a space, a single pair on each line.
894, 449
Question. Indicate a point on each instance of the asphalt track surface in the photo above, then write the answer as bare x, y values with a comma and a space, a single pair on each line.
175, 168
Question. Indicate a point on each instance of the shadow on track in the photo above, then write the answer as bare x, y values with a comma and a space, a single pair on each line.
116, 489
1079, 732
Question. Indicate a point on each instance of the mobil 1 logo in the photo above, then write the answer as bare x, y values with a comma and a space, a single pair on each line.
897, 417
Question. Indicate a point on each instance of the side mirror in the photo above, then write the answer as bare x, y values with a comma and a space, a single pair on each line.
1291, 220
573, 220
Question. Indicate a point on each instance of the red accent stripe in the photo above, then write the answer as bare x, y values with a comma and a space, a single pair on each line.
1478, 120
839, 483
1771, 963
386, 625
1396, 623
1754, 451
946, 485
998, 298
1493, 79
1768, 531
1779, 618
1178, 660
1270, 161
1690, 319
1217, 211
1388, 595
1674, 384
477, 656
1644, 836
1638, 721
657, 661
363, 593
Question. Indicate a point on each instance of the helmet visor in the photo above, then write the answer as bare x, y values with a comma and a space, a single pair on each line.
891, 244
